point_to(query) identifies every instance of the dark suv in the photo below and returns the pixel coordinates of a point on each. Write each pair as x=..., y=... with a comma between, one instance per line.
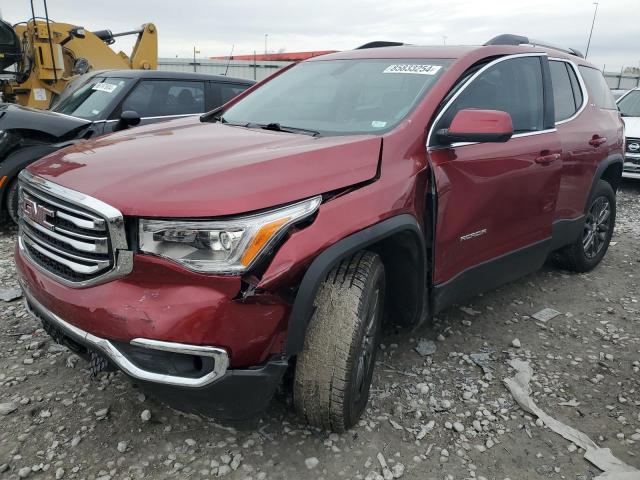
x=207, y=257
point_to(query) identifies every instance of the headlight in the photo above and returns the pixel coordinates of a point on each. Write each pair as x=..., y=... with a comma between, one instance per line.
x=221, y=246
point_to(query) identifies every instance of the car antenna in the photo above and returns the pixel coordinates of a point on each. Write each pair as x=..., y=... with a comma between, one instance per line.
x=229, y=59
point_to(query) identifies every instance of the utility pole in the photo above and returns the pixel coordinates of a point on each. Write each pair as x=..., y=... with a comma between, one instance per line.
x=195, y=69
x=266, y=35
x=444, y=39
x=595, y=12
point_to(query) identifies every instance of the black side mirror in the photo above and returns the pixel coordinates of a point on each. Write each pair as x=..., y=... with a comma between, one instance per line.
x=128, y=118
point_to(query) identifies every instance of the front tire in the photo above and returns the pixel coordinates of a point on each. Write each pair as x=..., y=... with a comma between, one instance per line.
x=592, y=244
x=12, y=201
x=334, y=370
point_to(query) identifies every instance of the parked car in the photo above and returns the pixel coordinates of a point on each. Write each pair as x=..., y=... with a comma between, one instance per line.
x=617, y=93
x=629, y=106
x=97, y=103
x=205, y=257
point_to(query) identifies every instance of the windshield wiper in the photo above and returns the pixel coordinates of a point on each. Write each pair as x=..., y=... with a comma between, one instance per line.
x=276, y=127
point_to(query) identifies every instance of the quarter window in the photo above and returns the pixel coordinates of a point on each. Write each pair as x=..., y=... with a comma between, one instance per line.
x=156, y=98
x=565, y=100
x=600, y=93
x=513, y=86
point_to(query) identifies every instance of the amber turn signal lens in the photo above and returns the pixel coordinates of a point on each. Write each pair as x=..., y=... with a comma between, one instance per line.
x=260, y=240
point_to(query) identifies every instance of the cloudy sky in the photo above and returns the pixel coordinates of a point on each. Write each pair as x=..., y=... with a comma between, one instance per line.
x=214, y=26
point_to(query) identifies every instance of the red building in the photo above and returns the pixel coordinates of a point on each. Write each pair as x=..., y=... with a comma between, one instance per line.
x=281, y=57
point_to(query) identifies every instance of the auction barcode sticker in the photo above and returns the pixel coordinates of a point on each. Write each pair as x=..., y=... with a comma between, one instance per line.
x=104, y=87
x=413, y=68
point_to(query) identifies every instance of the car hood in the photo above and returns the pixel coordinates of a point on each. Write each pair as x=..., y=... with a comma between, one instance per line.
x=52, y=123
x=631, y=127
x=185, y=168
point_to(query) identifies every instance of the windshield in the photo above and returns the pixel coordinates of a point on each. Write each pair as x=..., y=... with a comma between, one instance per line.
x=629, y=105
x=337, y=97
x=92, y=99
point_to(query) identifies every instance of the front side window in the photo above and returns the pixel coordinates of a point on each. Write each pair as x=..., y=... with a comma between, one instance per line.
x=157, y=98
x=600, y=93
x=565, y=100
x=92, y=100
x=629, y=105
x=335, y=97
x=513, y=86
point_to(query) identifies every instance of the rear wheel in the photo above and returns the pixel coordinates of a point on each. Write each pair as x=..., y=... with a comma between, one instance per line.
x=591, y=246
x=334, y=370
x=12, y=200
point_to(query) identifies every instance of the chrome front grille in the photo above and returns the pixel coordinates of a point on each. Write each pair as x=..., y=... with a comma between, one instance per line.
x=75, y=238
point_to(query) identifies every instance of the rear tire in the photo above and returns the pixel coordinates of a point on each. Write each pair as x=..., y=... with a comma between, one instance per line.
x=334, y=370
x=592, y=244
x=12, y=200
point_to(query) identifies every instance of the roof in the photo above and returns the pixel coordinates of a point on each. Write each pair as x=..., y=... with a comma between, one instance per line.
x=165, y=75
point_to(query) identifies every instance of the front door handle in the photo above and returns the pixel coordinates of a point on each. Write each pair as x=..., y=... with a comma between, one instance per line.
x=546, y=159
x=597, y=140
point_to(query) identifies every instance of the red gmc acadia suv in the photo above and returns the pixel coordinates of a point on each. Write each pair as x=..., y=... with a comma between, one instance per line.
x=206, y=257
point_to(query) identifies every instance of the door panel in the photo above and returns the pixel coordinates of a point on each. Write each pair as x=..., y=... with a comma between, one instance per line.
x=492, y=199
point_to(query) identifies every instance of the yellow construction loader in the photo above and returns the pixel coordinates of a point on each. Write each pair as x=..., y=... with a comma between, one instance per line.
x=39, y=57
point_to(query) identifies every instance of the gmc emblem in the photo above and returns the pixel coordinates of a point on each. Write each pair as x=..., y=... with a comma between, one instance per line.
x=37, y=213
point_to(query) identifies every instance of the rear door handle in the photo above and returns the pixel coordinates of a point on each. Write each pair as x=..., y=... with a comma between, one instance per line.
x=596, y=141
x=546, y=159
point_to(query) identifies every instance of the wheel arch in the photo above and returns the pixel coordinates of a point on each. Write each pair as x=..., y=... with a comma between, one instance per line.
x=399, y=241
x=16, y=161
x=609, y=170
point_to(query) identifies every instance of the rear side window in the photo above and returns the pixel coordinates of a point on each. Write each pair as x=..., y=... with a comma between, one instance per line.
x=600, y=93
x=513, y=86
x=567, y=97
x=157, y=98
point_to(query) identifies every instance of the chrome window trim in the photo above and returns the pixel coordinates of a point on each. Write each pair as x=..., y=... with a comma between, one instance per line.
x=583, y=89
x=464, y=87
x=220, y=355
x=114, y=222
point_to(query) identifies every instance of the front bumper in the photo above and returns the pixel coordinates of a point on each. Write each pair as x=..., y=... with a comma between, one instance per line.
x=221, y=392
x=162, y=301
x=631, y=167
x=116, y=356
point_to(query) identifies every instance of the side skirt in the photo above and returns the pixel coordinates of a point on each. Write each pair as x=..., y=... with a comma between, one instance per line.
x=491, y=274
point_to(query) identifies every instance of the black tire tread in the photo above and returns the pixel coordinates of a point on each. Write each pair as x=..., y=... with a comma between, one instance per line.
x=324, y=365
x=11, y=201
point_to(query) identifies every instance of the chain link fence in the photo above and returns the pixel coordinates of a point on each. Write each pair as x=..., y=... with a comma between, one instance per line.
x=622, y=81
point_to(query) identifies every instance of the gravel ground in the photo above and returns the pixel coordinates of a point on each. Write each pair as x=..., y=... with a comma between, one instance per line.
x=438, y=416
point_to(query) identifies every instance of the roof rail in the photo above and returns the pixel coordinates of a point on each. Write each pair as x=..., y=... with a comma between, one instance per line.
x=379, y=44
x=509, y=39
